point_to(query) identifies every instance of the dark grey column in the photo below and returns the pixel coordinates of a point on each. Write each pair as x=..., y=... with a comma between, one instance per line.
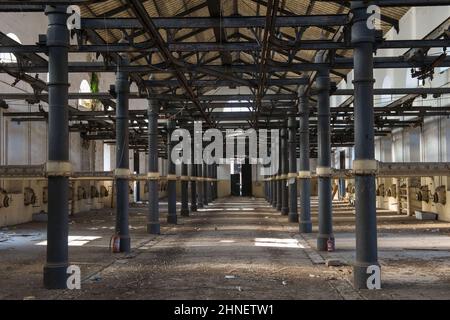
x=274, y=191
x=280, y=172
x=193, y=178
x=209, y=169
x=136, y=170
x=216, y=182
x=200, y=186
x=184, y=191
x=305, y=225
x=324, y=158
x=153, y=224
x=171, y=177
x=284, y=173
x=55, y=269
x=122, y=89
x=364, y=165
x=206, y=190
x=292, y=175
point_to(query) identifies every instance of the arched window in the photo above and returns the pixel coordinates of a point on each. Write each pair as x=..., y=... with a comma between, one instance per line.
x=85, y=87
x=7, y=57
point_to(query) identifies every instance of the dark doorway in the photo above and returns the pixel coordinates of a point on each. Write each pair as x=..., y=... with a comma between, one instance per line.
x=235, y=184
x=246, y=180
x=341, y=181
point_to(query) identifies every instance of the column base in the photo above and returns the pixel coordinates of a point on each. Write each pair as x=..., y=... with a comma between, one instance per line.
x=154, y=228
x=274, y=205
x=55, y=276
x=279, y=207
x=361, y=275
x=284, y=211
x=322, y=241
x=305, y=226
x=184, y=212
x=193, y=208
x=125, y=243
x=172, y=219
x=293, y=217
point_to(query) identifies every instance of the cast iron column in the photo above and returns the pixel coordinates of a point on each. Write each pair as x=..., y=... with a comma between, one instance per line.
x=171, y=177
x=285, y=171
x=122, y=89
x=364, y=165
x=193, y=178
x=274, y=190
x=305, y=225
x=153, y=224
x=280, y=172
x=200, y=186
x=324, y=158
x=206, y=190
x=55, y=269
x=184, y=190
x=292, y=176
x=136, y=170
x=209, y=173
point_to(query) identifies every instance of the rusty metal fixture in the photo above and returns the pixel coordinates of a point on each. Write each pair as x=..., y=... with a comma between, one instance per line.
x=29, y=197
x=130, y=189
x=103, y=192
x=350, y=188
x=45, y=195
x=392, y=191
x=146, y=187
x=94, y=192
x=380, y=190
x=423, y=194
x=81, y=193
x=4, y=198
x=71, y=193
x=439, y=195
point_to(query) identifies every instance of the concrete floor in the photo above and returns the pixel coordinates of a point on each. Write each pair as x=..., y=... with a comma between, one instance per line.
x=236, y=248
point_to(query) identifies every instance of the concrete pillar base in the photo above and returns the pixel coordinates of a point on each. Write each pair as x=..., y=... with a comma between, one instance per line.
x=153, y=228
x=293, y=217
x=284, y=211
x=322, y=240
x=172, y=219
x=184, y=212
x=125, y=244
x=305, y=226
x=55, y=276
x=193, y=208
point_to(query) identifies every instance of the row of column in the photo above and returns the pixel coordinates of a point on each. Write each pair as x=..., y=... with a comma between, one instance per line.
x=279, y=187
x=366, y=268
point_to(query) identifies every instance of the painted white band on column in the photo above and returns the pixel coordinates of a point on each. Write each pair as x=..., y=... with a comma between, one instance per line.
x=153, y=175
x=291, y=175
x=122, y=173
x=171, y=177
x=304, y=174
x=185, y=178
x=58, y=168
x=365, y=166
x=323, y=171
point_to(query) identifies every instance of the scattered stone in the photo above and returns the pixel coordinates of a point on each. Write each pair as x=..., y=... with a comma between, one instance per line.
x=239, y=288
x=334, y=263
x=230, y=277
x=29, y=298
x=284, y=282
